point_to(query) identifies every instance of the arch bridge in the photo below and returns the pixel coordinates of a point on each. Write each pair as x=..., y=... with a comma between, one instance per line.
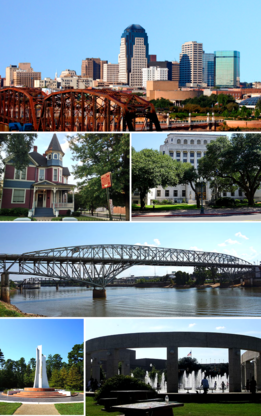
x=98, y=265
x=77, y=110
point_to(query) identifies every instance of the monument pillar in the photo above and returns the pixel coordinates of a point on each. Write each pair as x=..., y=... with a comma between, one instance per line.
x=40, y=378
x=96, y=369
x=5, y=288
x=112, y=363
x=172, y=369
x=88, y=367
x=124, y=358
x=234, y=370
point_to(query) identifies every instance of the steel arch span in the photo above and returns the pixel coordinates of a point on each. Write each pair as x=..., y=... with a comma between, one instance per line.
x=77, y=110
x=98, y=265
x=21, y=105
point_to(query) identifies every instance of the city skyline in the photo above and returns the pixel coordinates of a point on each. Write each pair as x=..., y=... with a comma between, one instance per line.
x=15, y=48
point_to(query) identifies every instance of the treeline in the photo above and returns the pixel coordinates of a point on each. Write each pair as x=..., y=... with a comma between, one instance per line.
x=19, y=374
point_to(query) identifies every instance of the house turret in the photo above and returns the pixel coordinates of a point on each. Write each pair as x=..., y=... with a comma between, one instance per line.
x=54, y=153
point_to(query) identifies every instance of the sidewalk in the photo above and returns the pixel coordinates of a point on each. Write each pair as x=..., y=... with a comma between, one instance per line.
x=36, y=409
x=196, y=212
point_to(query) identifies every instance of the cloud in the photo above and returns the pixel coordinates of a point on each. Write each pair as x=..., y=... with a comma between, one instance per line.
x=220, y=327
x=157, y=241
x=196, y=248
x=227, y=242
x=65, y=146
x=231, y=252
x=145, y=244
x=241, y=236
x=253, y=250
x=191, y=325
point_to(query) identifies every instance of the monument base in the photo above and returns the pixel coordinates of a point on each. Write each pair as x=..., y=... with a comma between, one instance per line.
x=98, y=293
x=37, y=393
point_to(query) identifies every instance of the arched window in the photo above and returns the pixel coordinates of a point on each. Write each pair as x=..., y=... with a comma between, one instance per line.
x=49, y=157
x=178, y=141
x=55, y=156
x=191, y=141
x=205, y=142
x=198, y=142
x=185, y=141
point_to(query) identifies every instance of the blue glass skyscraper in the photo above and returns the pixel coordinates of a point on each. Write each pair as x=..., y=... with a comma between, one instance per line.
x=208, y=69
x=134, y=55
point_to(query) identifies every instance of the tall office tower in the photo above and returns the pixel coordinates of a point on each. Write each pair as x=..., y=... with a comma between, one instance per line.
x=163, y=64
x=92, y=68
x=111, y=73
x=175, y=71
x=134, y=55
x=9, y=75
x=208, y=69
x=227, y=68
x=152, y=58
x=154, y=73
x=190, y=63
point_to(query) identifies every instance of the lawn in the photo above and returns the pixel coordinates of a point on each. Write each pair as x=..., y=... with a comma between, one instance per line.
x=7, y=218
x=4, y=311
x=93, y=409
x=80, y=219
x=219, y=409
x=174, y=207
x=8, y=408
x=70, y=409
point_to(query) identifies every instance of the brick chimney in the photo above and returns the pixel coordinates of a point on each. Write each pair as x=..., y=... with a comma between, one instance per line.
x=35, y=148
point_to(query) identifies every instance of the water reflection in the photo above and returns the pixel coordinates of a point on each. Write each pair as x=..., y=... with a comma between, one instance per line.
x=136, y=302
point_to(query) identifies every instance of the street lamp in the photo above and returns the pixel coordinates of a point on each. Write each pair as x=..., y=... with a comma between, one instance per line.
x=201, y=182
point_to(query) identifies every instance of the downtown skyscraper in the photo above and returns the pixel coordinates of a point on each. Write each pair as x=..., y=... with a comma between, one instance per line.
x=190, y=63
x=134, y=55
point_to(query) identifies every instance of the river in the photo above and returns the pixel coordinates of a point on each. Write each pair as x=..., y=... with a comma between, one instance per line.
x=140, y=302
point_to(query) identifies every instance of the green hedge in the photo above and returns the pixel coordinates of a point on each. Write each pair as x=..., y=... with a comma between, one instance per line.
x=122, y=383
x=14, y=212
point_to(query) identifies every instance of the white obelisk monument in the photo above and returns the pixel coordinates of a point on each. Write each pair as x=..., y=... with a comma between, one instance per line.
x=40, y=378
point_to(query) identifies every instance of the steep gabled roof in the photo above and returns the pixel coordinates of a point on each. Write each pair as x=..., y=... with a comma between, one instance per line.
x=66, y=172
x=39, y=159
x=55, y=145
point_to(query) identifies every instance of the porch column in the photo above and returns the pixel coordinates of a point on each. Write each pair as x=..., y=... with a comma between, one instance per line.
x=73, y=199
x=54, y=199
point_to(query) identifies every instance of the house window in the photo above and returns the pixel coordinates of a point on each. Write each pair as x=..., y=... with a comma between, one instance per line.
x=185, y=157
x=60, y=175
x=175, y=192
x=198, y=142
x=55, y=156
x=191, y=141
x=171, y=154
x=136, y=192
x=185, y=141
x=167, y=192
x=41, y=175
x=163, y=152
x=232, y=193
x=49, y=157
x=184, y=193
x=158, y=193
x=178, y=141
x=198, y=155
x=240, y=193
x=205, y=141
x=224, y=194
x=18, y=196
x=55, y=174
x=20, y=174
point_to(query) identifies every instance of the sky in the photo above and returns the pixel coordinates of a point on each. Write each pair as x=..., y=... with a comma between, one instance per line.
x=20, y=337
x=153, y=140
x=237, y=239
x=98, y=327
x=54, y=36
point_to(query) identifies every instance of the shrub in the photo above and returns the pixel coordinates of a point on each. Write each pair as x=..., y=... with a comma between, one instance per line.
x=14, y=212
x=122, y=383
x=76, y=214
x=225, y=202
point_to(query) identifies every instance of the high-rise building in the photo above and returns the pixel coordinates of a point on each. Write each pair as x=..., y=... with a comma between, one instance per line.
x=23, y=75
x=111, y=73
x=175, y=71
x=163, y=64
x=9, y=75
x=92, y=68
x=134, y=55
x=154, y=74
x=208, y=69
x=227, y=68
x=152, y=58
x=190, y=63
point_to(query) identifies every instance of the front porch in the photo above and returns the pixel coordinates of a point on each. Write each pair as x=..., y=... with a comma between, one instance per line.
x=52, y=199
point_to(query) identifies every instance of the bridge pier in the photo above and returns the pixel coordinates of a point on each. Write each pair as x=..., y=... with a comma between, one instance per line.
x=98, y=293
x=5, y=288
x=57, y=286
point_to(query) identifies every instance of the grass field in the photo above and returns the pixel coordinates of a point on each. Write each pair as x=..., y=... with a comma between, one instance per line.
x=80, y=219
x=70, y=409
x=174, y=207
x=5, y=311
x=7, y=218
x=8, y=408
x=192, y=409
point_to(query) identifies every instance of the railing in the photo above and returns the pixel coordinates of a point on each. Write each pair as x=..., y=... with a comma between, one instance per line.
x=115, y=217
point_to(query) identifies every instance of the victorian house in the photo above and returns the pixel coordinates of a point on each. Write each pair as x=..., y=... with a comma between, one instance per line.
x=42, y=186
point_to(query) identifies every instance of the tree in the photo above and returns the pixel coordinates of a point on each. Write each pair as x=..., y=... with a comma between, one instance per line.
x=237, y=160
x=75, y=357
x=201, y=274
x=190, y=176
x=55, y=380
x=75, y=379
x=150, y=169
x=17, y=145
x=139, y=373
x=2, y=359
x=63, y=377
x=99, y=154
x=57, y=362
x=181, y=278
x=188, y=364
x=258, y=105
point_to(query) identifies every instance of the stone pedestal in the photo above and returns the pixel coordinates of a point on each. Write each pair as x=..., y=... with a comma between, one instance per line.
x=172, y=369
x=99, y=293
x=234, y=370
x=5, y=288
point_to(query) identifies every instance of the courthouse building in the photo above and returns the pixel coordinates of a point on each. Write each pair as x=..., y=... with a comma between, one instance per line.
x=187, y=147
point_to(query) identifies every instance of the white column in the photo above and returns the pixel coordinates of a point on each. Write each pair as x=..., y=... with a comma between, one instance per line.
x=73, y=199
x=40, y=378
x=54, y=199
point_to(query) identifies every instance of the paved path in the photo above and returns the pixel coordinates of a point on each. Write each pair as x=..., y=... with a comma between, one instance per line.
x=36, y=409
x=43, y=218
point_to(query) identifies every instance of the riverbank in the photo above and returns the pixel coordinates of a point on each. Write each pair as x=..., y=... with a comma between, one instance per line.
x=9, y=310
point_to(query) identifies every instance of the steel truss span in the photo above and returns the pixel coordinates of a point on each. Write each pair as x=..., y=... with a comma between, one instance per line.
x=77, y=110
x=98, y=265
